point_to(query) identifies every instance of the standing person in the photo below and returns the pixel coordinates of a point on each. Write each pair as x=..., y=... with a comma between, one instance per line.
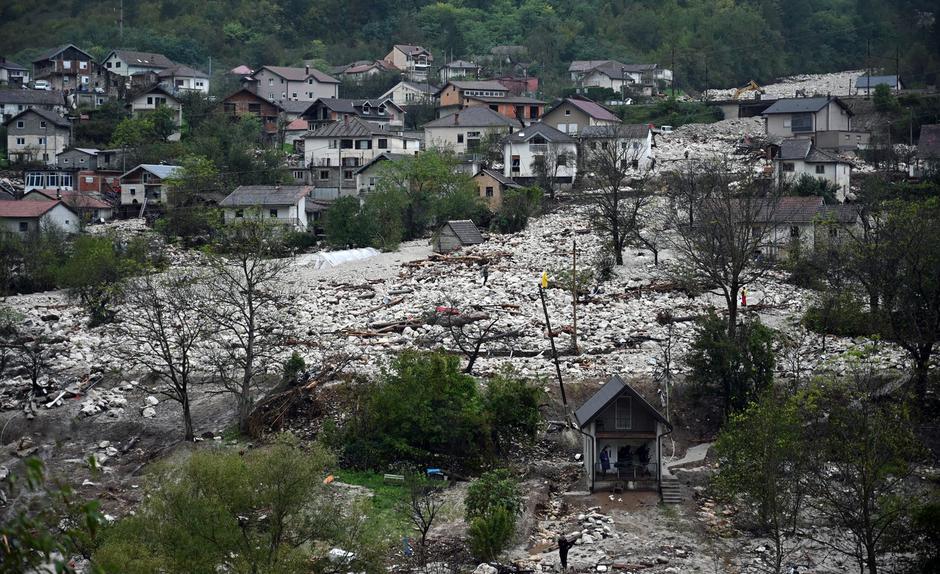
x=605, y=460
x=486, y=274
x=563, y=546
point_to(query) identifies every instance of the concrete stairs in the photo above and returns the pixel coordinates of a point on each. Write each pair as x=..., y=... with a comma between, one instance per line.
x=671, y=490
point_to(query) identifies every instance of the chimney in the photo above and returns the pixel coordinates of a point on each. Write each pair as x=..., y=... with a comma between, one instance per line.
x=306, y=70
x=58, y=193
x=456, y=117
x=346, y=120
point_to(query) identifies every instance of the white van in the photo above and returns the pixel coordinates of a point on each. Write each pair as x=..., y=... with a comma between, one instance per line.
x=42, y=85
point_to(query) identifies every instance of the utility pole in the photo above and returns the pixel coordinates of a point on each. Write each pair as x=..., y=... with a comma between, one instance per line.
x=706, y=79
x=543, y=285
x=623, y=88
x=897, y=69
x=574, y=294
x=122, y=20
x=674, y=72
x=868, y=65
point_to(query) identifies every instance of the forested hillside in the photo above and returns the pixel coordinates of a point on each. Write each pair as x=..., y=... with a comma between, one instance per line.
x=734, y=40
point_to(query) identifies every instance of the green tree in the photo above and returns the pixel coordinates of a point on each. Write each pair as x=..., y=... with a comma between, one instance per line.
x=191, y=188
x=517, y=207
x=491, y=533
x=383, y=210
x=346, y=225
x=884, y=100
x=494, y=489
x=94, y=272
x=512, y=406
x=737, y=367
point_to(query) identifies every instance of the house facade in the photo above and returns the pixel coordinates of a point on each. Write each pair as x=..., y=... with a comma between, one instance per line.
x=89, y=206
x=807, y=224
x=523, y=109
x=453, y=95
x=464, y=131
x=492, y=185
x=621, y=439
x=25, y=217
x=128, y=62
x=154, y=98
x=78, y=158
x=367, y=176
x=13, y=74
x=799, y=157
x=333, y=153
x=244, y=102
x=634, y=143
x=540, y=148
x=408, y=93
x=279, y=204
x=37, y=135
x=458, y=69
x=146, y=184
x=414, y=61
x=67, y=68
x=180, y=78
x=571, y=115
x=802, y=117
x=281, y=83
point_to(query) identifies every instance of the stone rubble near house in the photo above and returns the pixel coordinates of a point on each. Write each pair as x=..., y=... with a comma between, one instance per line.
x=835, y=84
x=706, y=142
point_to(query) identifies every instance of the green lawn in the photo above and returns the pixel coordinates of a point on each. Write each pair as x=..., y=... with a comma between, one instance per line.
x=385, y=501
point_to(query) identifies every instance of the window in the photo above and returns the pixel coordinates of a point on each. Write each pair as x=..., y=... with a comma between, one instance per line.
x=239, y=213
x=20, y=141
x=788, y=167
x=567, y=112
x=324, y=174
x=363, y=144
x=371, y=181
x=149, y=100
x=229, y=107
x=562, y=160
x=346, y=144
x=794, y=232
x=133, y=191
x=179, y=83
x=20, y=124
x=515, y=164
x=117, y=64
x=294, y=95
x=459, y=138
x=820, y=169
x=270, y=81
x=108, y=65
x=65, y=79
x=42, y=141
x=272, y=213
x=298, y=175
x=383, y=143
x=623, y=415
x=24, y=226
x=82, y=65
x=489, y=191
x=89, y=179
x=801, y=122
x=67, y=64
x=347, y=174
x=833, y=232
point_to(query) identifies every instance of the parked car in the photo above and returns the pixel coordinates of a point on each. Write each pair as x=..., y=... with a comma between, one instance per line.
x=42, y=85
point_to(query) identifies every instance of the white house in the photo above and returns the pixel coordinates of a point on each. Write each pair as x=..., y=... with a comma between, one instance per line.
x=282, y=83
x=464, y=131
x=573, y=114
x=407, y=93
x=802, y=117
x=414, y=61
x=180, y=78
x=458, y=69
x=22, y=217
x=798, y=157
x=540, y=147
x=37, y=135
x=278, y=204
x=634, y=142
x=334, y=151
x=146, y=183
x=89, y=205
x=128, y=62
x=13, y=102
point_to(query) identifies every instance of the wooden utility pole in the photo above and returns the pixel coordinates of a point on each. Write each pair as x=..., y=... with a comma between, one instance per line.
x=674, y=72
x=574, y=294
x=548, y=325
x=868, y=65
x=897, y=69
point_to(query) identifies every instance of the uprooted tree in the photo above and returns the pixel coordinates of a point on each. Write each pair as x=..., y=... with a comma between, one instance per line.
x=475, y=334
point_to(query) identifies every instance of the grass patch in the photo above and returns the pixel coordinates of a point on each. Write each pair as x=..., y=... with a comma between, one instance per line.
x=386, y=499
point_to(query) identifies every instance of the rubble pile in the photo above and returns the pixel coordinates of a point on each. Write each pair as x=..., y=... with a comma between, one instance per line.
x=703, y=142
x=835, y=84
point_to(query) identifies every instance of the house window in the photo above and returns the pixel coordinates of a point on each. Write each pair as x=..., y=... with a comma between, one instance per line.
x=489, y=191
x=371, y=182
x=42, y=123
x=801, y=122
x=363, y=144
x=515, y=164
x=24, y=226
x=229, y=107
x=20, y=141
x=788, y=167
x=198, y=84
x=294, y=95
x=324, y=174
x=623, y=419
x=65, y=160
x=794, y=232
x=833, y=232
x=117, y=64
x=562, y=160
x=270, y=81
x=67, y=64
x=89, y=179
x=149, y=101
x=567, y=112
x=133, y=191
x=459, y=138
x=347, y=174
x=108, y=65
x=42, y=141
x=383, y=143
x=820, y=169
x=272, y=213
x=239, y=213
x=298, y=175
x=346, y=144
x=20, y=124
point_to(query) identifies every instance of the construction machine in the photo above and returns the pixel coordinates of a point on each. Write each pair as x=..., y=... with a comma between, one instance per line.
x=750, y=87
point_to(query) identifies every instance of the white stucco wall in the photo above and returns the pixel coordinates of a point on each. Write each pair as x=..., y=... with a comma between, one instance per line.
x=60, y=216
x=527, y=156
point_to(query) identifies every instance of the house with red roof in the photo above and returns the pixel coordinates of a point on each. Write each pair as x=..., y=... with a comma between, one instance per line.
x=23, y=217
x=571, y=115
x=89, y=205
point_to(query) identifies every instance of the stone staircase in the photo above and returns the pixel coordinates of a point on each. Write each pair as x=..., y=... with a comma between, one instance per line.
x=671, y=490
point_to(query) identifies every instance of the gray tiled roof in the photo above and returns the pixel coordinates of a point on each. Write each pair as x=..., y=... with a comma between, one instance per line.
x=625, y=131
x=507, y=181
x=490, y=85
x=348, y=127
x=383, y=157
x=149, y=59
x=795, y=148
x=158, y=169
x=864, y=82
x=45, y=114
x=540, y=129
x=301, y=74
x=591, y=108
x=472, y=117
x=801, y=105
x=8, y=65
x=466, y=231
x=34, y=97
x=263, y=195
x=54, y=51
x=605, y=395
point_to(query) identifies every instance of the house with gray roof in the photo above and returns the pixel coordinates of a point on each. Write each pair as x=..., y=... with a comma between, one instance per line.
x=289, y=205
x=621, y=439
x=129, y=62
x=458, y=69
x=539, y=151
x=37, y=135
x=66, y=68
x=284, y=83
x=414, y=61
x=456, y=234
x=367, y=176
x=863, y=83
x=802, y=117
x=798, y=157
x=408, y=93
x=13, y=102
x=492, y=185
x=465, y=130
x=13, y=74
x=804, y=222
x=382, y=111
x=146, y=184
x=633, y=143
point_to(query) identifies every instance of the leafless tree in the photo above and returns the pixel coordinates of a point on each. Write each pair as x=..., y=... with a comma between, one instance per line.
x=472, y=336
x=651, y=221
x=732, y=224
x=164, y=329
x=245, y=290
x=546, y=166
x=422, y=507
x=609, y=174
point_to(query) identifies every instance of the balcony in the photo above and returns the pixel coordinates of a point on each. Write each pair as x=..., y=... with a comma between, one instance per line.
x=538, y=148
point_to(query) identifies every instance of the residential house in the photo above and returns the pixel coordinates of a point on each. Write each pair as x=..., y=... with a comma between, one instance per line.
x=519, y=85
x=146, y=184
x=573, y=114
x=407, y=93
x=180, y=78
x=492, y=185
x=617, y=76
x=289, y=205
x=367, y=176
x=245, y=102
x=95, y=171
x=456, y=234
x=156, y=97
x=334, y=151
x=382, y=111
x=458, y=69
x=523, y=109
x=13, y=74
x=49, y=178
x=128, y=62
x=866, y=83
x=802, y=117
x=622, y=435
x=414, y=61
x=67, y=68
x=805, y=223
x=361, y=70
x=13, y=102
x=89, y=206
x=37, y=135
x=453, y=95
x=540, y=150
x=464, y=131
x=294, y=133
x=928, y=151
x=634, y=143
x=799, y=157
x=24, y=217
x=282, y=83
x=78, y=158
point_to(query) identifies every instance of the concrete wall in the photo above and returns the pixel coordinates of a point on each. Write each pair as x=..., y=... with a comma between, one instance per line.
x=527, y=153
x=60, y=216
x=446, y=137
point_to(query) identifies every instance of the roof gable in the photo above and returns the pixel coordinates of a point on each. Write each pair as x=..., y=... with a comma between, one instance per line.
x=472, y=117
x=803, y=105
x=47, y=115
x=143, y=59
x=160, y=170
x=50, y=54
x=264, y=195
x=589, y=107
x=541, y=129
x=466, y=231
x=600, y=400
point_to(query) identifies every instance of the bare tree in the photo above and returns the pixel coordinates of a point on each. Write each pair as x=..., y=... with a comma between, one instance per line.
x=245, y=291
x=472, y=336
x=422, y=507
x=651, y=221
x=546, y=166
x=732, y=223
x=608, y=169
x=164, y=330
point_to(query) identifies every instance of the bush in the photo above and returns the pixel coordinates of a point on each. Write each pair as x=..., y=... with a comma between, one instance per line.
x=512, y=407
x=299, y=241
x=345, y=225
x=490, y=534
x=517, y=207
x=738, y=369
x=494, y=489
x=94, y=273
x=293, y=366
x=842, y=314
x=809, y=186
x=564, y=279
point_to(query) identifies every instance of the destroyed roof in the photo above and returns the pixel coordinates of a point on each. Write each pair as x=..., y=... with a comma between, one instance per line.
x=264, y=195
x=803, y=105
x=466, y=231
x=472, y=117
x=507, y=181
x=27, y=209
x=349, y=126
x=591, y=108
x=541, y=129
x=625, y=131
x=928, y=146
x=865, y=82
x=606, y=395
x=34, y=97
x=300, y=74
x=151, y=59
x=45, y=114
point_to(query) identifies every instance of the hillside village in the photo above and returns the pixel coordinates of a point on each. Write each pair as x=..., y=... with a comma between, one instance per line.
x=417, y=314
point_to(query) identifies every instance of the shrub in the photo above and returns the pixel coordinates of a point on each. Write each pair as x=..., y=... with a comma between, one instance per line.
x=299, y=241
x=841, y=314
x=809, y=186
x=293, y=366
x=490, y=534
x=345, y=225
x=494, y=489
x=95, y=273
x=517, y=207
x=565, y=279
x=512, y=407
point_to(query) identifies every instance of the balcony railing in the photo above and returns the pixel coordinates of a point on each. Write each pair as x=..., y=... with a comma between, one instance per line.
x=538, y=148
